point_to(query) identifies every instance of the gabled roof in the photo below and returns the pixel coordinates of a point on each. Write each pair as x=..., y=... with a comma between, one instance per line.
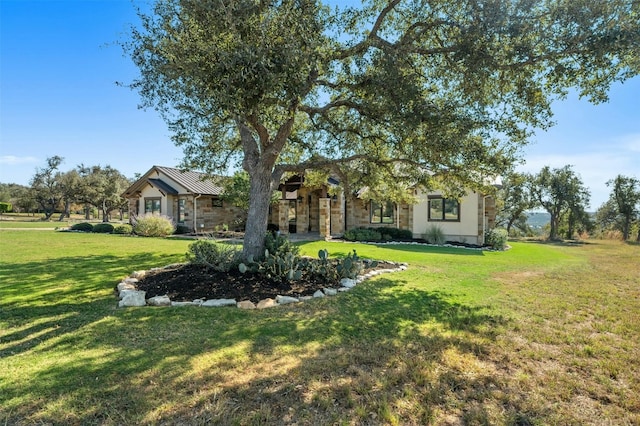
x=193, y=182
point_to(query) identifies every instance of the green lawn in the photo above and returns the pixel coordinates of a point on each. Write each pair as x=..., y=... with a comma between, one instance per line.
x=541, y=334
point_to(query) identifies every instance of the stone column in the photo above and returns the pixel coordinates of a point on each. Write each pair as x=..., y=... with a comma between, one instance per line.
x=325, y=217
x=283, y=216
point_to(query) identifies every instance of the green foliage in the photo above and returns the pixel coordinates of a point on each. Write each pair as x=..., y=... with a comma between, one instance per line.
x=362, y=234
x=83, y=226
x=217, y=256
x=182, y=229
x=395, y=234
x=435, y=235
x=281, y=262
x=496, y=238
x=349, y=266
x=382, y=233
x=5, y=207
x=625, y=198
x=153, y=226
x=123, y=228
x=103, y=228
x=279, y=244
x=322, y=268
x=560, y=192
x=369, y=89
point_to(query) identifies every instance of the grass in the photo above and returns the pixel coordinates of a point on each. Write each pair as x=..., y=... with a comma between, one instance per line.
x=541, y=334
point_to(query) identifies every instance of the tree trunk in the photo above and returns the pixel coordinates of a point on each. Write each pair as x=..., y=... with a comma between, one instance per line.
x=553, y=231
x=105, y=212
x=258, y=214
x=626, y=228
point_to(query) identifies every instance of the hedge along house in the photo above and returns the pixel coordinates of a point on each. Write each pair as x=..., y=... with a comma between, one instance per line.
x=190, y=199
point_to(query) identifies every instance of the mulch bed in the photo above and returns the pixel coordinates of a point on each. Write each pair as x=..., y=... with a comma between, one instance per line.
x=184, y=283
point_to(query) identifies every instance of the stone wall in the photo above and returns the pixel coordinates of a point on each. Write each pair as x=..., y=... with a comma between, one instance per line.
x=359, y=216
x=209, y=216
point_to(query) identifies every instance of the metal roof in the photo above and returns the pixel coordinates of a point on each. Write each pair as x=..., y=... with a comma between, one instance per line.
x=163, y=186
x=196, y=182
x=192, y=182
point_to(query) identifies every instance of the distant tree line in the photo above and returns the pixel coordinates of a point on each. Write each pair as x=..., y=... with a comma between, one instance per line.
x=562, y=194
x=52, y=191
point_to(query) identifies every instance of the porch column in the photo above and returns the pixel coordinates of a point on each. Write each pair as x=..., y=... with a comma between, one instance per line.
x=283, y=216
x=325, y=217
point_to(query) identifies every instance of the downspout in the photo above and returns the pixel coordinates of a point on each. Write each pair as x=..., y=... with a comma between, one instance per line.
x=195, y=213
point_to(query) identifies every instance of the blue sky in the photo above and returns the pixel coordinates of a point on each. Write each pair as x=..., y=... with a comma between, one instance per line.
x=59, y=62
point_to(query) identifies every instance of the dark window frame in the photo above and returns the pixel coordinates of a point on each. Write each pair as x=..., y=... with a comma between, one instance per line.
x=445, y=206
x=379, y=209
x=217, y=202
x=182, y=208
x=152, y=200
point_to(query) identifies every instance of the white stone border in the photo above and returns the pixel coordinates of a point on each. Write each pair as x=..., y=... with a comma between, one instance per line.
x=129, y=295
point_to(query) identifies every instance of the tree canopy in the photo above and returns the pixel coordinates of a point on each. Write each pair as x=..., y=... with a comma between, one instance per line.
x=391, y=91
x=562, y=194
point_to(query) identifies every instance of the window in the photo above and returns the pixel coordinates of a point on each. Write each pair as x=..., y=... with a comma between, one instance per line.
x=181, y=208
x=152, y=206
x=216, y=202
x=444, y=209
x=381, y=212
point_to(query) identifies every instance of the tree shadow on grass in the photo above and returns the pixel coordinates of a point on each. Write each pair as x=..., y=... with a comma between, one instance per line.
x=346, y=358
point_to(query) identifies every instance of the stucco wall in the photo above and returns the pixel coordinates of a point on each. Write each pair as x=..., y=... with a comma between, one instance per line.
x=466, y=230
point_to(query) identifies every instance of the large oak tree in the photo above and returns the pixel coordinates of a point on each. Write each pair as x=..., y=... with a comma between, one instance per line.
x=382, y=92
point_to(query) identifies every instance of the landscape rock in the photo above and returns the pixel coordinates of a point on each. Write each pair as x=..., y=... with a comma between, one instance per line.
x=283, y=300
x=246, y=304
x=159, y=301
x=125, y=286
x=348, y=282
x=180, y=304
x=266, y=303
x=219, y=302
x=132, y=298
x=123, y=293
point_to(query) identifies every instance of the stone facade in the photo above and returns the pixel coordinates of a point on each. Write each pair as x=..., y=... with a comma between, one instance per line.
x=358, y=215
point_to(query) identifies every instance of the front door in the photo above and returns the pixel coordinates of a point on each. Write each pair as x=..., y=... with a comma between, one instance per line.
x=293, y=214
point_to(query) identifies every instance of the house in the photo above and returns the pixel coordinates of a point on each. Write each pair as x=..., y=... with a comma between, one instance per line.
x=191, y=199
x=303, y=210
x=194, y=201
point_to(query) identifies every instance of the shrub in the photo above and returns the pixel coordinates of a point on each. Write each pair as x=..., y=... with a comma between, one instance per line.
x=153, y=226
x=182, y=229
x=435, y=235
x=281, y=261
x=394, y=233
x=279, y=244
x=216, y=256
x=103, y=228
x=123, y=228
x=496, y=238
x=362, y=234
x=84, y=227
x=351, y=266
